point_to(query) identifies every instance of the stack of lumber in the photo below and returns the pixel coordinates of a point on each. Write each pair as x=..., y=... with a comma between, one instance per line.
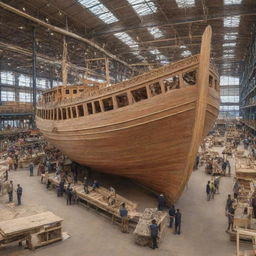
x=142, y=230
x=26, y=160
x=208, y=155
x=37, y=230
x=245, y=168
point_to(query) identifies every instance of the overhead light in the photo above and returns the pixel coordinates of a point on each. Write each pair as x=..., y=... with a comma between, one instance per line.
x=125, y=38
x=24, y=9
x=230, y=2
x=51, y=33
x=183, y=46
x=229, y=44
x=232, y=22
x=21, y=27
x=47, y=20
x=99, y=10
x=186, y=53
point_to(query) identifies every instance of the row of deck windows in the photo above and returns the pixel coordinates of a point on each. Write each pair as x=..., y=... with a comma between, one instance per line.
x=121, y=100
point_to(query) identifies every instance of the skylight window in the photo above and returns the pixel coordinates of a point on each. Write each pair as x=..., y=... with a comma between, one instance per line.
x=230, y=2
x=230, y=36
x=229, y=45
x=232, y=22
x=164, y=62
x=229, y=51
x=186, y=53
x=100, y=10
x=155, y=32
x=161, y=57
x=185, y=3
x=228, y=55
x=158, y=54
x=155, y=52
x=143, y=7
x=126, y=39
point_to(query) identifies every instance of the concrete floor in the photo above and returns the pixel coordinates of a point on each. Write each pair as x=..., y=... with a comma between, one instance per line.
x=203, y=223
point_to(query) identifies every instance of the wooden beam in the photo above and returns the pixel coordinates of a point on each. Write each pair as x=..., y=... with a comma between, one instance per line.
x=62, y=31
x=44, y=58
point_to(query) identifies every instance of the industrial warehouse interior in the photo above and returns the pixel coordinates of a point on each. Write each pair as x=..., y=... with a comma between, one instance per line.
x=127, y=127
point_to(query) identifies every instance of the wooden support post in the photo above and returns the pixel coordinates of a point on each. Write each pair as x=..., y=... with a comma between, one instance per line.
x=101, y=106
x=130, y=98
x=61, y=114
x=115, y=102
x=85, y=109
x=93, y=107
x=182, y=84
x=162, y=85
x=107, y=70
x=64, y=62
x=148, y=91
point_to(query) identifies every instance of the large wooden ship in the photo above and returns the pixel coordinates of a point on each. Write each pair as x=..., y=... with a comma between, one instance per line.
x=148, y=128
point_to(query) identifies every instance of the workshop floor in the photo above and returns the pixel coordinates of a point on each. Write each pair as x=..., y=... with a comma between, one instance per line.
x=203, y=223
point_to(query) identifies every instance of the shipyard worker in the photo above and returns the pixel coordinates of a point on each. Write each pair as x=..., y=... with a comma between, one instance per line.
x=31, y=168
x=86, y=188
x=154, y=233
x=161, y=202
x=197, y=161
x=177, y=222
x=213, y=190
x=69, y=194
x=61, y=187
x=208, y=191
x=231, y=213
x=19, y=194
x=236, y=188
x=217, y=184
x=228, y=204
x=172, y=215
x=10, y=191
x=224, y=166
x=124, y=218
x=229, y=168
x=95, y=185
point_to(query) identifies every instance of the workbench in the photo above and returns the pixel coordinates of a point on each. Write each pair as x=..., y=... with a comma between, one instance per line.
x=98, y=199
x=37, y=230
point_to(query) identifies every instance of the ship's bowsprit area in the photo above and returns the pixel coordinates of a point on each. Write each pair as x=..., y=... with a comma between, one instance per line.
x=127, y=127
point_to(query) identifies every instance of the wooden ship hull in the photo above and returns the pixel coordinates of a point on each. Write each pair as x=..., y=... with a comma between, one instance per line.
x=153, y=141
